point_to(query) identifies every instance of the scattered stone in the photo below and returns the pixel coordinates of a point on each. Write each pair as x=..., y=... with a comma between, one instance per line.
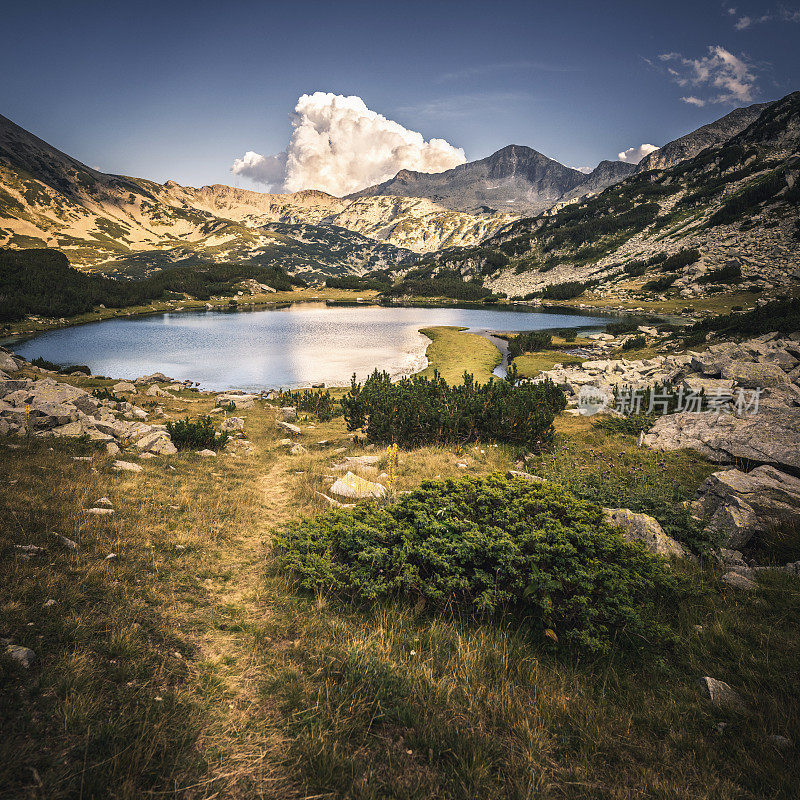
x=68, y=543
x=23, y=656
x=288, y=427
x=112, y=448
x=330, y=501
x=48, y=603
x=111, y=557
x=206, y=453
x=99, y=512
x=126, y=466
x=525, y=476
x=298, y=450
x=232, y=424
x=123, y=387
x=739, y=581
x=351, y=485
x=288, y=413
x=104, y=502
x=720, y=693
x=645, y=529
x=28, y=551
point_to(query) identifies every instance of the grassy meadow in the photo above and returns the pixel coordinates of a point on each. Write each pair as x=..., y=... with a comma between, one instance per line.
x=188, y=665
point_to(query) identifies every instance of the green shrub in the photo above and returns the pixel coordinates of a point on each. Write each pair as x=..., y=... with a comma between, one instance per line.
x=631, y=425
x=529, y=343
x=660, y=284
x=732, y=273
x=490, y=544
x=418, y=411
x=101, y=393
x=782, y=316
x=64, y=370
x=200, y=434
x=311, y=401
x=635, y=342
x=566, y=291
x=679, y=260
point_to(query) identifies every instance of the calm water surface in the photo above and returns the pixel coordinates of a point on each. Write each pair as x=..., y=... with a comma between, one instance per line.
x=296, y=346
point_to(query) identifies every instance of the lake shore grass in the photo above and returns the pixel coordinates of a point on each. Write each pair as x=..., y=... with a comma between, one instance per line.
x=187, y=666
x=452, y=351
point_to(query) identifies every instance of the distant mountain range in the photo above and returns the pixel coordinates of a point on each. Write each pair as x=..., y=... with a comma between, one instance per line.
x=515, y=179
x=133, y=225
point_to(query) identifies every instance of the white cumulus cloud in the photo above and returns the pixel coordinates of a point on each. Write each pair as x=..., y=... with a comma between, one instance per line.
x=339, y=145
x=723, y=77
x=633, y=155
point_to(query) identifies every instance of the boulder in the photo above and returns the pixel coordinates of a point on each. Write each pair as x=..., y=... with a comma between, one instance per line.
x=240, y=401
x=232, y=424
x=524, y=476
x=7, y=362
x=772, y=436
x=156, y=391
x=740, y=506
x=351, y=485
x=645, y=529
x=23, y=656
x=298, y=450
x=720, y=693
x=288, y=413
x=288, y=427
x=157, y=442
x=126, y=466
x=206, y=453
x=738, y=581
x=124, y=387
x=752, y=376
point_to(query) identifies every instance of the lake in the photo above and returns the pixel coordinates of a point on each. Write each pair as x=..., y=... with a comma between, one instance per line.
x=288, y=347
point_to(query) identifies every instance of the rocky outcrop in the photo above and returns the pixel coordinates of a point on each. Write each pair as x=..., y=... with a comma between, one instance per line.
x=46, y=407
x=772, y=436
x=739, y=506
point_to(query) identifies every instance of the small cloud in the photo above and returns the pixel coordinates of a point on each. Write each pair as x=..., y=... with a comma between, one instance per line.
x=728, y=78
x=633, y=155
x=780, y=14
x=505, y=66
x=584, y=170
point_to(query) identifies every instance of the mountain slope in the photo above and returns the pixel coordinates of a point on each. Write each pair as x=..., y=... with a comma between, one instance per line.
x=49, y=199
x=730, y=216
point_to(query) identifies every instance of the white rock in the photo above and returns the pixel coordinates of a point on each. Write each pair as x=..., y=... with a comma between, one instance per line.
x=351, y=485
x=206, y=453
x=126, y=466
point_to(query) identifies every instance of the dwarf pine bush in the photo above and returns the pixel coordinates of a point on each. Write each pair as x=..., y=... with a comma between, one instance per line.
x=188, y=435
x=486, y=545
x=419, y=411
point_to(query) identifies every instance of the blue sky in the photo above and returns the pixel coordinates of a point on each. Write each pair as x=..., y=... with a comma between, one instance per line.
x=176, y=90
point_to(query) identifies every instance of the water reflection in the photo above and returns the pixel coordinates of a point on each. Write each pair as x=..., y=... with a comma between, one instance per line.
x=289, y=347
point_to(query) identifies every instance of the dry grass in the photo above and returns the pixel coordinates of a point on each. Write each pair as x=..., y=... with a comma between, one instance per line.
x=188, y=667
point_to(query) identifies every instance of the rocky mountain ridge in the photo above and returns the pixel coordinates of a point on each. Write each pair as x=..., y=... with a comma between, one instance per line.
x=515, y=179
x=725, y=220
